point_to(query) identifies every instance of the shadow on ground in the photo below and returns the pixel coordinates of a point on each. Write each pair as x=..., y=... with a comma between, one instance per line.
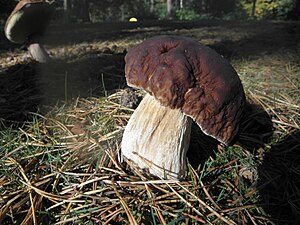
x=201, y=147
x=279, y=181
x=266, y=37
x=19, y=93
x=24, y=88
x=255, y=37
x=93, y=75
x=256, y=128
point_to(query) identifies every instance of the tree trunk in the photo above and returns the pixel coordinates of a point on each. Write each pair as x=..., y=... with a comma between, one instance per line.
x=170, y=9
x=81, y=10
x=151, y=6
x=85, y=11
x=181, y=4
x=253, y=8
x=67, y=7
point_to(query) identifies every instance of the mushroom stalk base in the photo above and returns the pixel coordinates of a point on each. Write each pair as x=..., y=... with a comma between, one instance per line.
x=37, y=50
x=156, y=139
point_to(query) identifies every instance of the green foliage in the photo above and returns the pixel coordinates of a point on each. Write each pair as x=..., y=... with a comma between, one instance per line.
x=269, y=9
x=284, y=8
x=187, y=14
x=119, y=10
x=161, y=13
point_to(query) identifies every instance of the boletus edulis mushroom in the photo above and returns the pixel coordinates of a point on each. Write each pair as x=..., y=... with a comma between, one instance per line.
x=27, y=24
x=185, y=81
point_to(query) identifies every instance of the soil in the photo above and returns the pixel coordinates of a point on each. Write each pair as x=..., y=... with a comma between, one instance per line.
x=88, y=59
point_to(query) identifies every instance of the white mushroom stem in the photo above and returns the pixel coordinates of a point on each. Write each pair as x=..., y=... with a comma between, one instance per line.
x=37, y=50
x=156, y=139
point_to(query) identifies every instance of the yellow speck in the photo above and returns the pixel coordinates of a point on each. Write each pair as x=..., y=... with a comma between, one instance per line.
x=133, y=19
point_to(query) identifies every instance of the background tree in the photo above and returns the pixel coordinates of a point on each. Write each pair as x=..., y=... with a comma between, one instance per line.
x=253, y=8
x=66, y=9
x=152, y=5
x=83, y=7
x=170, y=9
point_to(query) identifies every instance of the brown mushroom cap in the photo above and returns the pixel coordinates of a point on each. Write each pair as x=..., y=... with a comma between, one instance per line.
x=182, y=73
x=29, y=17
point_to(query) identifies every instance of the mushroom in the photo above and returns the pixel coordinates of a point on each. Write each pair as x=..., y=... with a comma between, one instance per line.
x=186, y=81
x=27, y=24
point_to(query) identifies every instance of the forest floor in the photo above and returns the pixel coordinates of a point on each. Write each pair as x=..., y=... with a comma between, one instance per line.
x=61, y=125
